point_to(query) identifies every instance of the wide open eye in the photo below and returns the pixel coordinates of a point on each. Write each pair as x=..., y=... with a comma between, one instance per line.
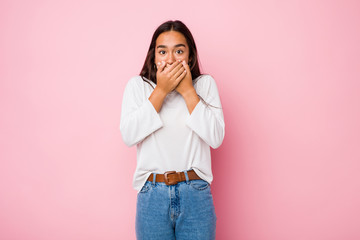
x=161, y=52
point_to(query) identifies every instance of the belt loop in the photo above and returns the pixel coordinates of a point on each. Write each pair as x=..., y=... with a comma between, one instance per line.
x=186, y=177
x=154, y=179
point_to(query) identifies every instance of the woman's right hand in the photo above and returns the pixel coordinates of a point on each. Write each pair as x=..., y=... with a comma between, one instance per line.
x=169, y=77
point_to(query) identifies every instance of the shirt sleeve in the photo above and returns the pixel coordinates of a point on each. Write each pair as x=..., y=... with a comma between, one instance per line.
x=207, y=121
x=138, y=118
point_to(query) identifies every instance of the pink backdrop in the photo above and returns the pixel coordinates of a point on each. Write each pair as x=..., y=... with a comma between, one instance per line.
x=288, y=73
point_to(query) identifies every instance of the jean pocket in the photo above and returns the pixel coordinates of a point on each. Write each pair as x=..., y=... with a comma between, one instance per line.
x=199, y=184
x=145, y=188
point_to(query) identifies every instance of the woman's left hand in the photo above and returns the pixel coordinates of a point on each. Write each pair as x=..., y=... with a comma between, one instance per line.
x=186, y=83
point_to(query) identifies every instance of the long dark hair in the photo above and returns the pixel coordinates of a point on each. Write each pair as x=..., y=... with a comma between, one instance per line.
x=149, y=70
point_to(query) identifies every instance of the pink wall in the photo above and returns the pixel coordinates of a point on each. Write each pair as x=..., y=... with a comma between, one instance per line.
x=288, y=74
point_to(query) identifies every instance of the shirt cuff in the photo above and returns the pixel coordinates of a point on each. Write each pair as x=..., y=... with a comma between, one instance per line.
x=154, y=116
x=194, y=120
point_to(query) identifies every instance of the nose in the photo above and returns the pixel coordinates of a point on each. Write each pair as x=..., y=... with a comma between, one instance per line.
x=171, y=58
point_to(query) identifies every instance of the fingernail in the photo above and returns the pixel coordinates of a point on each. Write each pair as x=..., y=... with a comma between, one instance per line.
x=158, y=63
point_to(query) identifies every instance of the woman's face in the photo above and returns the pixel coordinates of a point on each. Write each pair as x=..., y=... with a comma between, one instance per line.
x=171, y=46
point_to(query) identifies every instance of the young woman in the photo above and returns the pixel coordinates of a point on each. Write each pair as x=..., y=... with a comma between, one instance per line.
x=173, y=114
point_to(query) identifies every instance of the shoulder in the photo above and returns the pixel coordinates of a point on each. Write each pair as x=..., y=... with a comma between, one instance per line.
x=204, y=78
x=204, y=81
x=135, y=80
x=138, y=82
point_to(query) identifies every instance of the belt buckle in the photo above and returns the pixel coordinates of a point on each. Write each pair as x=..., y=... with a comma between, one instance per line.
x=167, y=182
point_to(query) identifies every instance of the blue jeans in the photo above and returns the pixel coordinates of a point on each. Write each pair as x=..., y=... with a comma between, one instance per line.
x=181, y=211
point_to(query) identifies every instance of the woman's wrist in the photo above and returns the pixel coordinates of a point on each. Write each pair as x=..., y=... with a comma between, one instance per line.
x=161, y=92
x=157, y=98
x=191, y=98
x=191, y=93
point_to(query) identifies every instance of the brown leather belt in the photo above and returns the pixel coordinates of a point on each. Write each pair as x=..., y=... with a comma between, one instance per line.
x=173, y=177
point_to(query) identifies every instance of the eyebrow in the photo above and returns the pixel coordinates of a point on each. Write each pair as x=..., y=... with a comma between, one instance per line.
x=177, y=45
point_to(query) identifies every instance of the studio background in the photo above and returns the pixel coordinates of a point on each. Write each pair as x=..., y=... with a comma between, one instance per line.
x=288, y=75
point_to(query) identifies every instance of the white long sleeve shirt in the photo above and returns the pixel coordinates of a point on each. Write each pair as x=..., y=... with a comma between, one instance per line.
x=173, y=139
